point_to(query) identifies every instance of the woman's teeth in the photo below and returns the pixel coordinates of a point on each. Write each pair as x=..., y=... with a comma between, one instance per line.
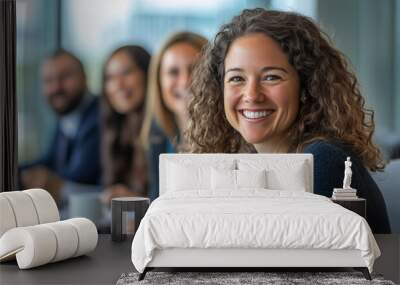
x=256, y=114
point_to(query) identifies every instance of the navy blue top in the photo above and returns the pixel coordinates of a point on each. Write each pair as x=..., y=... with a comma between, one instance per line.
x=159, y=143
x=329, y=173
x=76, y=159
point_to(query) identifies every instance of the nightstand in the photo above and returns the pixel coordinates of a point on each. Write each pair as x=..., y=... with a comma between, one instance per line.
x=357, y=205
x=126, y=214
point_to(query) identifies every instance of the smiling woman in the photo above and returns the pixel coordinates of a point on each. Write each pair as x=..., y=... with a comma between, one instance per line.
x=273, y=81
x=124, y=89
x=166, y=116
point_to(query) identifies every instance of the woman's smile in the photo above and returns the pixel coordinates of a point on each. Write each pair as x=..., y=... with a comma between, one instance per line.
x=255, y=115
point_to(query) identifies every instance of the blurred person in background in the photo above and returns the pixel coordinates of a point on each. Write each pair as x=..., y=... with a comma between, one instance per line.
x=73, y=155
x=166, y=103
x=122, y=112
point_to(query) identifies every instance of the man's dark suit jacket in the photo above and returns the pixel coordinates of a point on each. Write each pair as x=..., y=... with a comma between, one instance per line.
x=76, y=159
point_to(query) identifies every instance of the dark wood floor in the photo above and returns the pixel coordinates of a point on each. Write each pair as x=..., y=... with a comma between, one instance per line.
x=110, y=260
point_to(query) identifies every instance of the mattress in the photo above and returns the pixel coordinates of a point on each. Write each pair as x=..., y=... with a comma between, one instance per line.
x=251, y=219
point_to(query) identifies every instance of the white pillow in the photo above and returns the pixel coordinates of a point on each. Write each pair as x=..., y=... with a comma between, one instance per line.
x=251, y=178
x=225, y=179
x=298, y=178
x=281, y=174
x=183, y=177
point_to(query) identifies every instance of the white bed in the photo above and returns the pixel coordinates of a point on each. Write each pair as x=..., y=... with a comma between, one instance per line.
x=266, y=216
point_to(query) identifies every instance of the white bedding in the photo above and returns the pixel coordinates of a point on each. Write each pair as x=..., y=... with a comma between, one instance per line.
x=252, y=218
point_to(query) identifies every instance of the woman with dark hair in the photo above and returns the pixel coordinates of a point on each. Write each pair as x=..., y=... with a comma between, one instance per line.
x=124, y=89
x=273, y=82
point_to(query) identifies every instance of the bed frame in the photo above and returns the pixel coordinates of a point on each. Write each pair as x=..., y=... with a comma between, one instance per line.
x=248, y=258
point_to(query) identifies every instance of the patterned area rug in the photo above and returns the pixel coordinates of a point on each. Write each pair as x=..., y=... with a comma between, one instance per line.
x=229, y=278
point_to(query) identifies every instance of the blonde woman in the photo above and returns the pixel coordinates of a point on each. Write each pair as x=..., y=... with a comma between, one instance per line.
x=166, y=103
x=273, y=80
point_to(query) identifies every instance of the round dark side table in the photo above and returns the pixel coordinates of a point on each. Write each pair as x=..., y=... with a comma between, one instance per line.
x=126, y=214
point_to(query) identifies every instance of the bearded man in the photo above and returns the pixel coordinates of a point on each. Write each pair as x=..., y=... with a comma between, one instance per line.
x=74, y=152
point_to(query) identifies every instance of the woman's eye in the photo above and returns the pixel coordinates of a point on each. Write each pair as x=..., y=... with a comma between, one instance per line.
x=127, y=71
x=235, y=79
x=173, y=72
x=271, y=77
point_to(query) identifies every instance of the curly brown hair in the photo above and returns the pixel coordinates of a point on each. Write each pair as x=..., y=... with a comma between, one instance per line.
x=332, y=108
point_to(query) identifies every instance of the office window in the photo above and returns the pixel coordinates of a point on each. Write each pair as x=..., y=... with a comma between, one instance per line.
x=36, y=35
x=94, y=33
